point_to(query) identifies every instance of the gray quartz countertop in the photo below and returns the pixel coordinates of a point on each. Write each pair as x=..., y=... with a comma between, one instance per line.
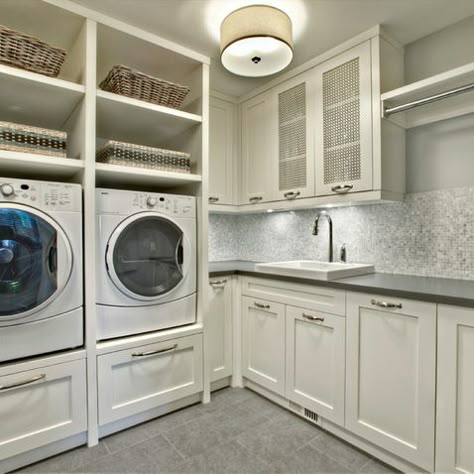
x=436, y=290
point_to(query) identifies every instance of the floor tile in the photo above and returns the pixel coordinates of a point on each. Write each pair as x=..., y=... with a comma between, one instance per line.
x=376, y=467
x=125, y=439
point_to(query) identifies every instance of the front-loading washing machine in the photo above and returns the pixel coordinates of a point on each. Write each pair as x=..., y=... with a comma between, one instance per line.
x=41, y=293
x=146, y=262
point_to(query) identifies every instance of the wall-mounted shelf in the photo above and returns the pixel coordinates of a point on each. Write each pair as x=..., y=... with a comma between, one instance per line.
x=115, y=175
x=446, y=107
x=135, y=121
x=34, y=99
x=42, y=166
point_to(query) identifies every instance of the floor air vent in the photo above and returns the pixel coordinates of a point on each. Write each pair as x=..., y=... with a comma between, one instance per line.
x=311, y=415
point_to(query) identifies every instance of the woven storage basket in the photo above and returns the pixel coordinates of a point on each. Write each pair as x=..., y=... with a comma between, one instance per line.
x=131, y=83
x=23, y=138
x=127, y=154
x=26, y=52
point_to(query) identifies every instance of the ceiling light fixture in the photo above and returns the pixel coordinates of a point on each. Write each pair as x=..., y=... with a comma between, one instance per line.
x=256, y=41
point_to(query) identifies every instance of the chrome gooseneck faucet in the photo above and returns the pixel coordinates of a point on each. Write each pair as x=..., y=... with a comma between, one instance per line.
x=315, y=231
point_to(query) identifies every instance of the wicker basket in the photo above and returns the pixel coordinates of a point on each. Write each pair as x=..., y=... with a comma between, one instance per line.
x=127, y=154
x=26, y=52
x=23, y=138
x=131, y=83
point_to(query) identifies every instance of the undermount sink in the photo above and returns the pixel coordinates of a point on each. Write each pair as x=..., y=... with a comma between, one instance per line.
x=316, y=270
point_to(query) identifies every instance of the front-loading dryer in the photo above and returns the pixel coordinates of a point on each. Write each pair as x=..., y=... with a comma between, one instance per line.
x=146, y=262
x=40, y=268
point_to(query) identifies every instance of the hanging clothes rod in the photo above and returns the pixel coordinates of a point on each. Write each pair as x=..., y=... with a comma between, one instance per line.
x=428, y=100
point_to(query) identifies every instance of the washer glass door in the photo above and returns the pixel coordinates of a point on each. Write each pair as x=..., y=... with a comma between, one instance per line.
x=145, y=256
x=29, y=247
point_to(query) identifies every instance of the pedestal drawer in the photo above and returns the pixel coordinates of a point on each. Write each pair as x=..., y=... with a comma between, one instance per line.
x=41, y=406
x=145, y=377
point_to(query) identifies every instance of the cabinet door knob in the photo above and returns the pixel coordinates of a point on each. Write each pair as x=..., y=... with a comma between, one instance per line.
x=386, y=304
x=292, y=194
x=342, y=188
x=255, y=199
x=309, y=317
x=261, y=306
x=23, y=382
x=218, y=283
x=213, y=199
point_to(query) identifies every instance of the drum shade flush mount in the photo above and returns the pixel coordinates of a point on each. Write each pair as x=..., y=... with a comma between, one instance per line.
x=256, y=41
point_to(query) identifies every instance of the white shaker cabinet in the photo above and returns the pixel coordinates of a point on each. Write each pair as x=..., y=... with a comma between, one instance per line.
x=292, y=138
x=263, y=343
x=219, y=327
x=390, y=375
x=344, y=122
x=257, y=167
x=455, y=395
x=221, y=151
x=315, y=362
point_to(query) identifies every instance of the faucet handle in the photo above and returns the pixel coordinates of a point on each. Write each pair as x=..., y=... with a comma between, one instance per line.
x=343, y=253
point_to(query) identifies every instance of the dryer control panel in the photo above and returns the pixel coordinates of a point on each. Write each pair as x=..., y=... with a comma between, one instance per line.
x=112, y=201
x=44, y=195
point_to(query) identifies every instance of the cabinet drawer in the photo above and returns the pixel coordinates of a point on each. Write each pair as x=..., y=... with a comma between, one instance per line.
x=41, y=406
x=313, y=297
x=145, y=377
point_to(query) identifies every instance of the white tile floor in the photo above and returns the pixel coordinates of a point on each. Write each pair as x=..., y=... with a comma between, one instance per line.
x=238, y=432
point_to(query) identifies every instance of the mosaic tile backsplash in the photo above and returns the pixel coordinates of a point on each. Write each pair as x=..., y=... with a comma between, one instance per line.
x=428, y=234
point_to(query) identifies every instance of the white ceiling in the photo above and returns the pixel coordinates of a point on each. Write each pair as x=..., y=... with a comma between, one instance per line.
x=318, y=24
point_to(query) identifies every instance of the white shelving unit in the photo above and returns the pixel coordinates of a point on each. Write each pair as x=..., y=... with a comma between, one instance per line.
x=74, y=103
x=446, y=108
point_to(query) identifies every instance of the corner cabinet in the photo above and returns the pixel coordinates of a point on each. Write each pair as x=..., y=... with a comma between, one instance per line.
x=257, y=166
x=221, y=151
x=455, y=394
x=343, y=123
x=390, y=382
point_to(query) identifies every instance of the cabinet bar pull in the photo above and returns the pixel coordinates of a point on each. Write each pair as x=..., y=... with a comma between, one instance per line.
x=386, y=304
x=213, y=199
x=309, y=317
x=160, y=351
x=342, y=188
x=255, y=199
x=292, y=194
x=261, y=306
x=23, y=382
x=218, y=283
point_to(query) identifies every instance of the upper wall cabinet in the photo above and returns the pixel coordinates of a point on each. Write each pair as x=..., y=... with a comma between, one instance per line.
x=257, y=167
x=221, y=151
x=291, y=138
x=344, y=123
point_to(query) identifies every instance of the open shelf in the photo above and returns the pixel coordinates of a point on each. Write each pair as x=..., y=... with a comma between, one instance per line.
x=135, y=121
x=17, y=164
x=115, y=175
x=443, y=109
x=34, y=99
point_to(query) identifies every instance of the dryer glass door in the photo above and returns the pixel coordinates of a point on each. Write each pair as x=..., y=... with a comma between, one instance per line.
x=147, y=257
x=29, y=276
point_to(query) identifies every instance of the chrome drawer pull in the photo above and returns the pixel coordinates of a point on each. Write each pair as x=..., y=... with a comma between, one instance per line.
x=160, y=351
x=213, y=199
x=385, y=304
x=342, y=188
x=292, y=194
x=23, y=382
x=309, y=317
x=255, y=199
x=261, y=306
x=218, y=283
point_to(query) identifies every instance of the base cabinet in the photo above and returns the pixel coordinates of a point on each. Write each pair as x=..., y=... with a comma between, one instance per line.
x=455, y=413
x=134, y=380
x=390, y=367
x=263, y=343
x=41, y=406
x=219, y=327
x=315, y=362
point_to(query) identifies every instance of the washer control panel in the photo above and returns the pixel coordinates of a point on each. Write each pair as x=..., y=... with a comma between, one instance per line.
x=127, y=202
x=41, y=194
